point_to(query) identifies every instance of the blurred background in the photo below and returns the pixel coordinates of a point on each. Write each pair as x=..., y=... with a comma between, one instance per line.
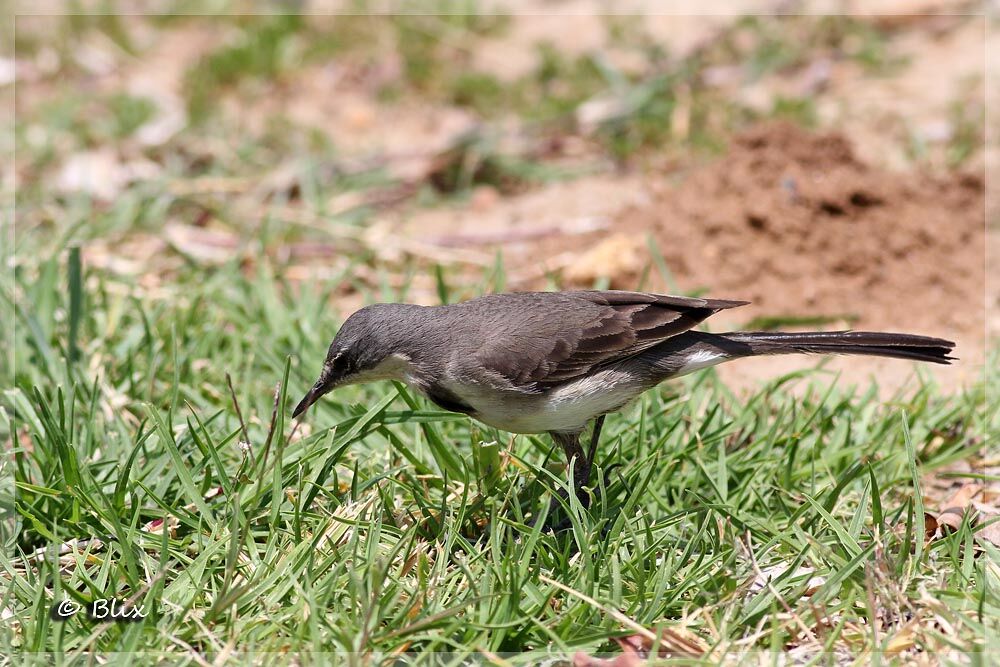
x=828, y=167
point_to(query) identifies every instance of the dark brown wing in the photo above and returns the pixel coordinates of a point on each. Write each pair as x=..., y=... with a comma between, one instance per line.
x=569, y=333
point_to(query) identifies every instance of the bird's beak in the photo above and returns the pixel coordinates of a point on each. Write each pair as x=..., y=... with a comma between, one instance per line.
x=323, y=385
x=304, y=404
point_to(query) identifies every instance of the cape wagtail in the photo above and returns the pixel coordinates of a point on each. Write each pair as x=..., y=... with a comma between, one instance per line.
x=551, y=362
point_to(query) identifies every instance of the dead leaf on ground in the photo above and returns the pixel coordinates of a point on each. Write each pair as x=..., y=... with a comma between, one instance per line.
x=903, y=640
x=628, y=658
x=615, y=256
x=990, y=533
x=157, y=526
x=102, y=174
x=773, y=572
x=636, y=649
x=931, y=526
x=130, y=256
x=954, y=509
x=205, y=245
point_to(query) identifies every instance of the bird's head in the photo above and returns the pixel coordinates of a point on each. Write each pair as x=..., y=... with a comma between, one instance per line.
x=368, y=347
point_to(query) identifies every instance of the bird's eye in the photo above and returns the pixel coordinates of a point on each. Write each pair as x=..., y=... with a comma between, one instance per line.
x=334, y=359
x=340, y=362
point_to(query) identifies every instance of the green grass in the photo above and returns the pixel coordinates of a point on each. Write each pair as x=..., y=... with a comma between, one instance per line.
x=384, y=525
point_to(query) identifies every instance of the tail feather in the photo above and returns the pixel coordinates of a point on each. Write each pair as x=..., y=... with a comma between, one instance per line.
x=895, y=345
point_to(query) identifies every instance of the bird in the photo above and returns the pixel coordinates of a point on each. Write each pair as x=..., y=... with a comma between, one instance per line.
x=552, y=362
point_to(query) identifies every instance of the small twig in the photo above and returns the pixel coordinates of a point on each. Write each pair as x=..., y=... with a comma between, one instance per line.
x=271, y=428
x=227, y=651
x=295, y=428
x=236, y=404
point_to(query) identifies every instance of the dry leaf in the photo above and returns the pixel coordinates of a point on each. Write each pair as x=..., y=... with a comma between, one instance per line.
x=636, y=649
x=632, y=654
x=614, y=256
x=678, y=641
x=628, y=658
x=157, y=526
x=966, y=500
x=206, y=245
x=990, y=533
x=101, y=174
x=989, y=515
x=772, y=572
x=954, y=509
x=131, y=256
x=902, y=640
x=931, y=525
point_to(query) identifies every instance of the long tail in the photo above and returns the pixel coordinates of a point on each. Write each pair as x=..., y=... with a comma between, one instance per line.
x=896, y=345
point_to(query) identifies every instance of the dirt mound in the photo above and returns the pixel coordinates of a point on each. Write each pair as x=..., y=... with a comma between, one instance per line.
x=797, y=223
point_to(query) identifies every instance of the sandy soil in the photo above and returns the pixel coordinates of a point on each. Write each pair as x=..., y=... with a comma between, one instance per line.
x=795, y=222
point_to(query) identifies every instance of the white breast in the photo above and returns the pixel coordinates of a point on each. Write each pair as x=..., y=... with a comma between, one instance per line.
x=567, y=408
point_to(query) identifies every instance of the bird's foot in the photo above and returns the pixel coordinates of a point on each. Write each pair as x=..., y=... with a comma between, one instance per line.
x=586, y=496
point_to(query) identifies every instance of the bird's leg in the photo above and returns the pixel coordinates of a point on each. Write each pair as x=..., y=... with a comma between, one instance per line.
x=595, y=437
x=570, y=443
